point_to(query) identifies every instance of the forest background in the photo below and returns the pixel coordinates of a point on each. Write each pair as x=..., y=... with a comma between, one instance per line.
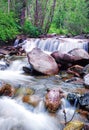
x=40, y=17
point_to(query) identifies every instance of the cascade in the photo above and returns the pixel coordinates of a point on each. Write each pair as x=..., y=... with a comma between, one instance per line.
x=54, y=44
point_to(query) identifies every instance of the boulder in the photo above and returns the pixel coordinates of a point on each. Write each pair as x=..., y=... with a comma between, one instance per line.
x=81, y=57
x=79, y=54
x=53, y=99
x=63, y=59
x=42, y=62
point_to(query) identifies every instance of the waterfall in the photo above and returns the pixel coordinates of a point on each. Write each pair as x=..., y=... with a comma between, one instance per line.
x=54, y=44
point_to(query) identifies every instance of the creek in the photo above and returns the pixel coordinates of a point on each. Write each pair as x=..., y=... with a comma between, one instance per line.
x=16, y=115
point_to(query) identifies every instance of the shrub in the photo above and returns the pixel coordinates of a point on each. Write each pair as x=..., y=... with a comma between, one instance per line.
x=8, y=26
x=31, y=30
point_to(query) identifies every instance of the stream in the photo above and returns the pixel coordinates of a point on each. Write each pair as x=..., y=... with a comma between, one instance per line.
x=17, y=115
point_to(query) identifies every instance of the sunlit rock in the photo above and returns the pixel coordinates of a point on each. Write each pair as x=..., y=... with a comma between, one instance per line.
x=74, y=125
x=42, y=62
x=79, y=54
x=7, y=90
x=53, y=99
x=81, y=57
x=32, y=100
x=21, y=91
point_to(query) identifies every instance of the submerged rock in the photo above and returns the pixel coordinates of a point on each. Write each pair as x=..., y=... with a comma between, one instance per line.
x=42, y=62
x=74, y=125
x=32, y=100
x=53, y=99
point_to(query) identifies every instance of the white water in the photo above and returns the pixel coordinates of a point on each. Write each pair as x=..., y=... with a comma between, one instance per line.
x=14, y=116
x=14, y=73
x=53, y=44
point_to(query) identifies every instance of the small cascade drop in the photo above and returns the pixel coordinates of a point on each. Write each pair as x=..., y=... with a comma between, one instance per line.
x=54, y=44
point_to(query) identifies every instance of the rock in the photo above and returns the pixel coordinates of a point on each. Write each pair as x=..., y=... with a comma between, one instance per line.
x=74, y=125
x=32, y=100
x=79, y=54
x=7, y=90
x=53, y=99
x=81, y=57
x=22, y=91
x=63, y=59
x=86, y=126
x=73, y=98
x=84, y=101
x=86, y=69
x=86, y=81
x=76, y=70
x=42, y=62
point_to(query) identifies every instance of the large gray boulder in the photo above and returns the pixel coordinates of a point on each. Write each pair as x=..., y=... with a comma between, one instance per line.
x=42, y=62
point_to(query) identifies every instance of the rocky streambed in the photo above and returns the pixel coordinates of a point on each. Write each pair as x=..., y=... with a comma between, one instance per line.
x=44, y=92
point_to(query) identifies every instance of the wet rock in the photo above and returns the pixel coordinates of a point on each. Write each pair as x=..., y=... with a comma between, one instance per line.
x=86, y=81
x=86, y=126
x=22, y=91
x=86, y=70
x=53, y=99
x=7, y=90
x=42, y=62
x=76, y=70
x=32, y=100
x=74, y=125
x=73, y=98
x=84, y=101
x=83, y=113
x=4, y=64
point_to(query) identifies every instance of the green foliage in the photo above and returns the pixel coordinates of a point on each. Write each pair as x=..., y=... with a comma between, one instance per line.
x=73, y=16
x=8, y=26
x=54, y=29
x=31, y=30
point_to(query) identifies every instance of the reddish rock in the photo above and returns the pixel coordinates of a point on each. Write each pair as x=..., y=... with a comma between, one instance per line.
x=42, y=62
x=53, y=99
x=7, y=90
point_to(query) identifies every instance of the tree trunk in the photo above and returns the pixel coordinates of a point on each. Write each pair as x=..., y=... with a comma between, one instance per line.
x=50, y=17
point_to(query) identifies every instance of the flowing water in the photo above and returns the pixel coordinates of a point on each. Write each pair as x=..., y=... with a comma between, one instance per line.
x=53, y=44
x=16, y=115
